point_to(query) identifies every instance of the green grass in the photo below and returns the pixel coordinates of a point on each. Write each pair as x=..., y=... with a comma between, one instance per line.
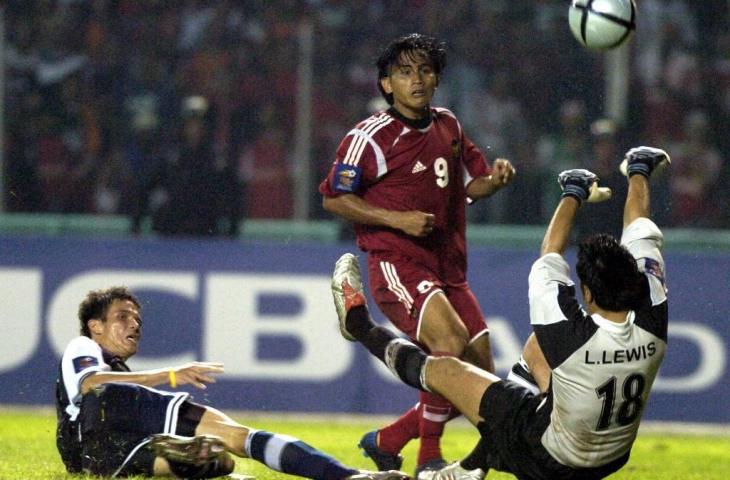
x=27, y=448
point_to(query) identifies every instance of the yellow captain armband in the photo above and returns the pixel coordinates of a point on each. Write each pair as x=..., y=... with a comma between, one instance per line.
x=173, y=378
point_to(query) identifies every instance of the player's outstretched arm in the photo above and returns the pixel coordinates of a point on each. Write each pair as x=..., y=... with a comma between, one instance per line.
x=558, y=231
x=502, y=174
x=355, y=209
x=637, y=199
x=196, y=374
x=578, y=185
x=638, y=165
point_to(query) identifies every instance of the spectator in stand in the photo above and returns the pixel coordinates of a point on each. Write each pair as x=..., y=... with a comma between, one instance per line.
x=196, y=195
x=564, y=149
x=601, y=160
x=127, y=52
x=695, y=181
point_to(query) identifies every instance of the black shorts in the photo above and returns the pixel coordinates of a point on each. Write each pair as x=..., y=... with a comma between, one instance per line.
x=117, y=420
x=514, y=422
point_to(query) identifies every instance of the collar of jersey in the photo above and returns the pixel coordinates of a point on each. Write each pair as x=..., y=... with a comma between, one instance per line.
x=419, y=124
x=613, y=326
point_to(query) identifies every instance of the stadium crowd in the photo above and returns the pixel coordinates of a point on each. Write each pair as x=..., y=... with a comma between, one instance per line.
x=155, y=107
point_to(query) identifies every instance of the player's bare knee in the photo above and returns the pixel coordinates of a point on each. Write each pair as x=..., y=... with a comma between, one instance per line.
x=533, y=354
x=453, y=341
x=234, y=434
x=451, y=345
x=235, y=438
x=441, y=369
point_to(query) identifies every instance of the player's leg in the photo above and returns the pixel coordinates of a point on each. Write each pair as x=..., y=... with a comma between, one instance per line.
x=118, y=421
x=222, y=465
x=536, y=362
x=394, y=283
x=383, y=445
x=445, y=335
x=531, y=370
x=478, y=352
x=461, y=383
x=441, y=328
x=457, y=380
x=282, y=453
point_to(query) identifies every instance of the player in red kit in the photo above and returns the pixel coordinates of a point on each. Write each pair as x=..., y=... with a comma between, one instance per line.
x=403, y=176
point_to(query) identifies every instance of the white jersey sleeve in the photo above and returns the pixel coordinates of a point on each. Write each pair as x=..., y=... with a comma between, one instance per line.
x=644, y=240
x=82, y=357
x=560, y=323
x=548, y=273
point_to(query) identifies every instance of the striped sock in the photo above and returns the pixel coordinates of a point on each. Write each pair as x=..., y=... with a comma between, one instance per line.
x=435, y=412
x=290, y=455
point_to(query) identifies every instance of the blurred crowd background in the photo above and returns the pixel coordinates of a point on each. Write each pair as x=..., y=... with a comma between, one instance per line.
x=185, y=112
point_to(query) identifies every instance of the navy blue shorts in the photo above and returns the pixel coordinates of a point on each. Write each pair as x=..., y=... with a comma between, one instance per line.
x=117, y=420
x=511, y=436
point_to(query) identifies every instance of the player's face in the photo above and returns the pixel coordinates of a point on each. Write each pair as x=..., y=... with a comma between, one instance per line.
x=413, y=83
x=120, y=333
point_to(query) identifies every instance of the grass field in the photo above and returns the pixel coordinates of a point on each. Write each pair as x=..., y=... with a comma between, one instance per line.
x=27, y=448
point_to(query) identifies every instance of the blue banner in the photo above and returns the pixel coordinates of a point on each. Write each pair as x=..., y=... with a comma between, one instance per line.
x=266, y=312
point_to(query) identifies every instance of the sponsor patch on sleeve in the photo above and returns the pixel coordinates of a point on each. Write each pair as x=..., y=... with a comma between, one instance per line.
x=82, y=363
x=346, y=178
x=654, y=268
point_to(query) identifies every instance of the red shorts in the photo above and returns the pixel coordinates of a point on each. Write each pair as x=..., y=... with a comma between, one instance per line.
x=401, y=288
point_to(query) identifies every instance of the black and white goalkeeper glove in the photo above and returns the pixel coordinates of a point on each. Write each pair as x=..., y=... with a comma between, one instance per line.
x=582, y=185
x=643, y=160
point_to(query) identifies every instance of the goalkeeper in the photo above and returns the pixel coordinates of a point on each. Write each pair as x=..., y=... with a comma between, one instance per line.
x=586, y=373
x=111, y=423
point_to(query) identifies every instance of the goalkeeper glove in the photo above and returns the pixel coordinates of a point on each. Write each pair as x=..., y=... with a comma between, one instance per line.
x=643, y=160
x=582, y=185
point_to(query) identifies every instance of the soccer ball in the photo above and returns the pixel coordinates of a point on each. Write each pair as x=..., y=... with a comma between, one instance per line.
x=602, y=24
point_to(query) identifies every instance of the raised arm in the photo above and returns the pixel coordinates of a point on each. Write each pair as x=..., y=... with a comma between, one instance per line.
x=638, y=165
x=557, y=234
x=502, y=174
x=194, y=373
x=352, y=207
x=637, y=199
x=578, y=185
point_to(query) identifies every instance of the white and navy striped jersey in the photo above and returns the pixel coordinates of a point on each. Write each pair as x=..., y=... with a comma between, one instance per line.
x=82, y=357
x=602, y=371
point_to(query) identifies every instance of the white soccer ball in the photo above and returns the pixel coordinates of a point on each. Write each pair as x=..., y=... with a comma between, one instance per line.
x=602, y=24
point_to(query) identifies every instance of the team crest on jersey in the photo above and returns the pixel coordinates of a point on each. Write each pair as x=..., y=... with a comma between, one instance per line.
x=455, y=149
x=82, y=363
x=346, y=178
x=653, y=267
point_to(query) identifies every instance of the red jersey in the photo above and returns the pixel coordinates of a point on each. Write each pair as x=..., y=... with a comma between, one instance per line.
x=393, y=165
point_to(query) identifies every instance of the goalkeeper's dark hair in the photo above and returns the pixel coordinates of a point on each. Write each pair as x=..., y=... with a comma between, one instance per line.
x=97, y=303
x=410, y=45
x=610, y=272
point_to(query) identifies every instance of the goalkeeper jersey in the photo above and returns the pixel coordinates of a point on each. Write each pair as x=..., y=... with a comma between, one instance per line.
x=602, y=371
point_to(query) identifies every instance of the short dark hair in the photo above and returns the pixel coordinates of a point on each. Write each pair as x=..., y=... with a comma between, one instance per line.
x=610, y=272
x=97, y=303
x=434, y=50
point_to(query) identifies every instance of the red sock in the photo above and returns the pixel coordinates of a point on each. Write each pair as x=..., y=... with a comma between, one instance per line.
x=392, y=438
x=435, y=412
